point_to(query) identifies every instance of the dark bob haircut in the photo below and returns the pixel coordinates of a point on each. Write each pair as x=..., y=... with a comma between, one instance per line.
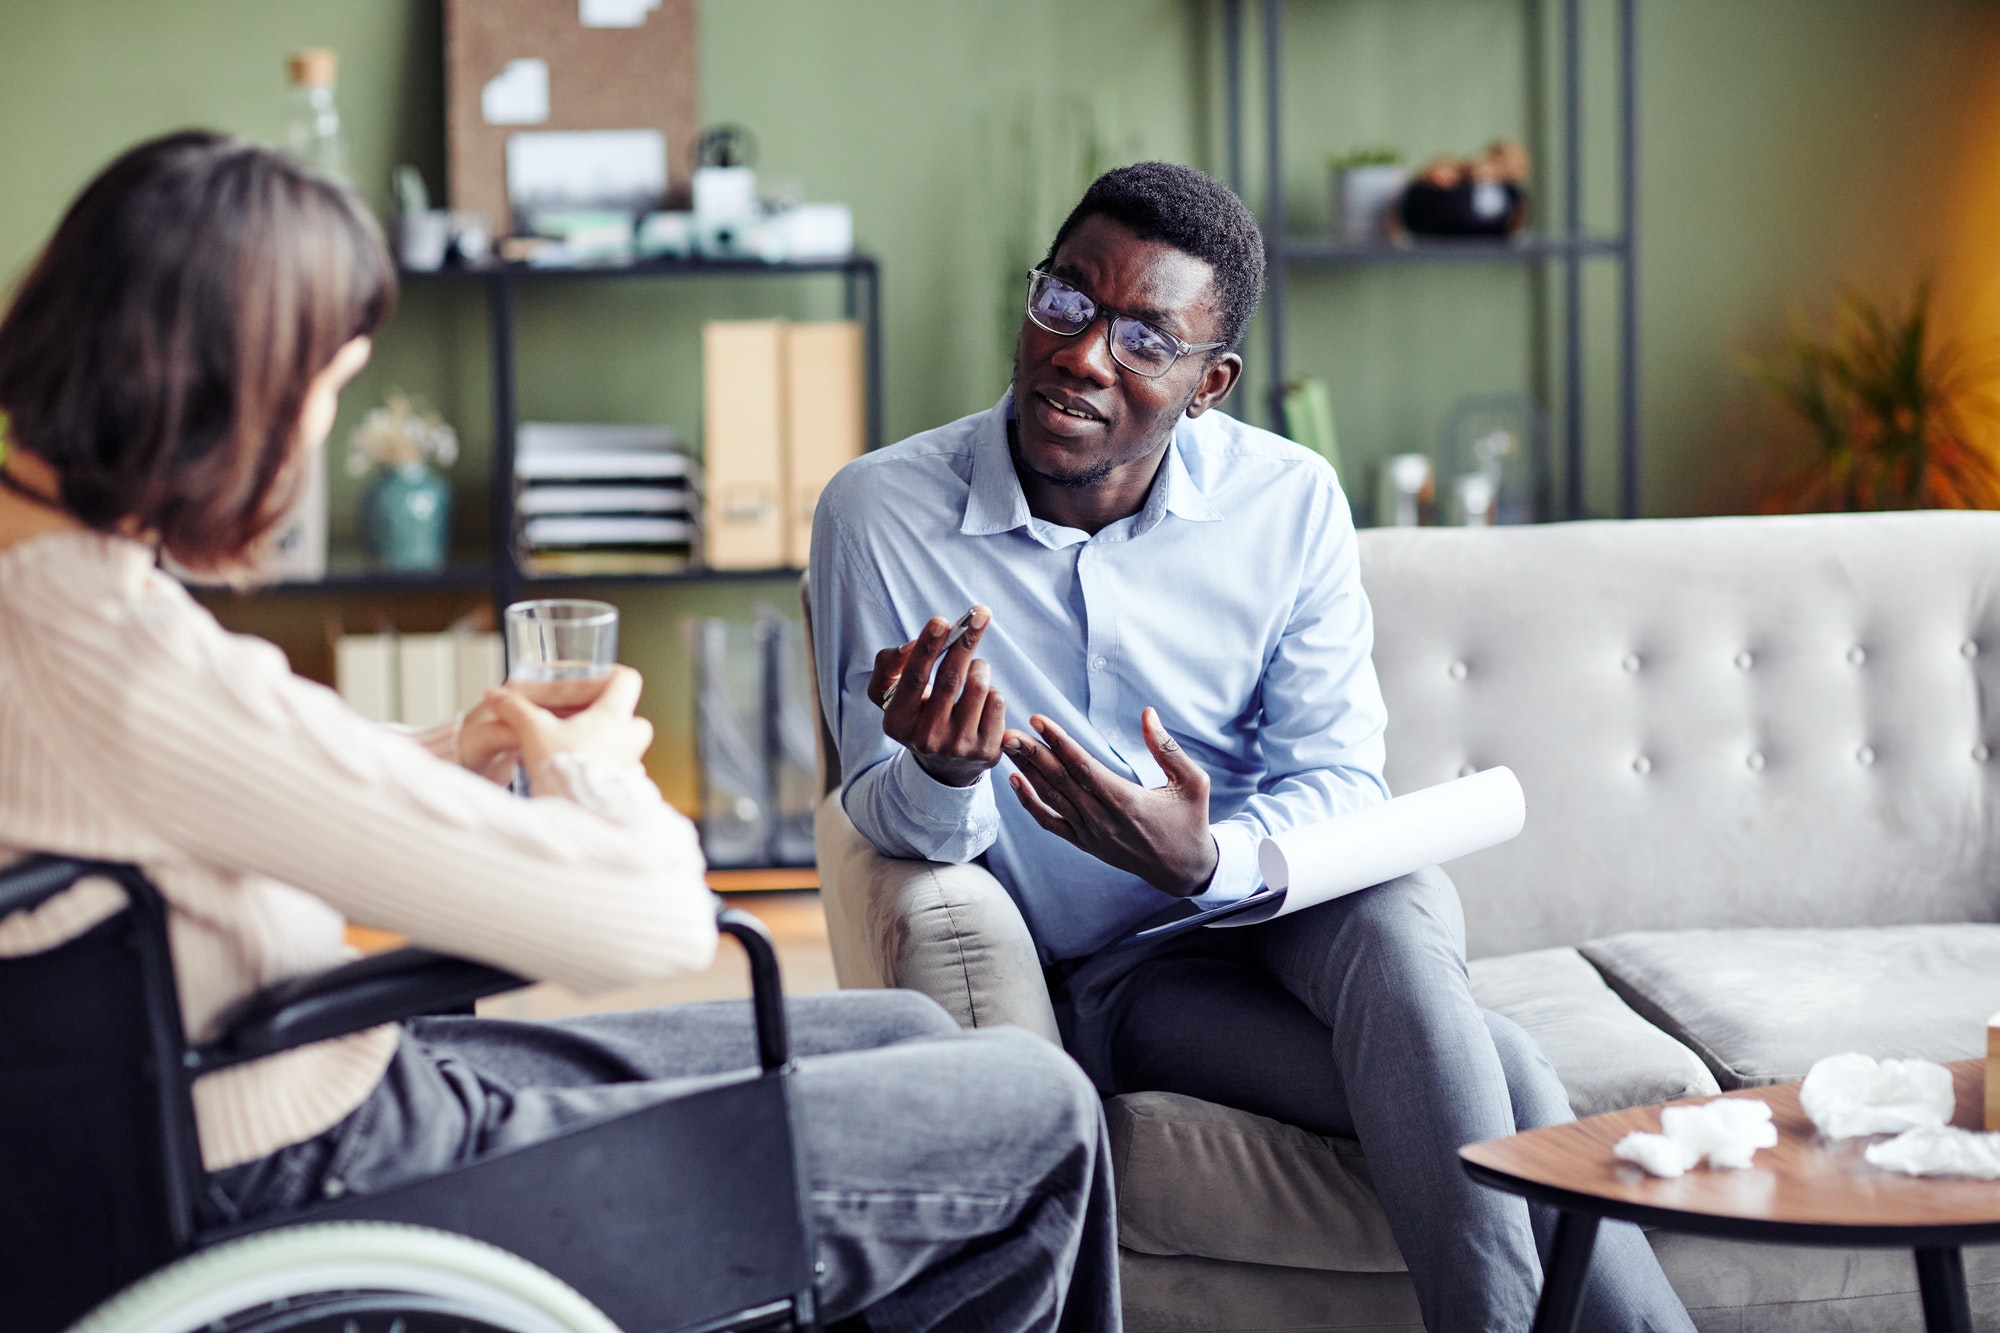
x=1194, y=213
x=158, y=353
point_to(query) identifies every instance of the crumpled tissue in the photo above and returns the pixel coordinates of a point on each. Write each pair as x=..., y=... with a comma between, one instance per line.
x=1939, y=1151
x=1728, y=1131
x=1848, y=1095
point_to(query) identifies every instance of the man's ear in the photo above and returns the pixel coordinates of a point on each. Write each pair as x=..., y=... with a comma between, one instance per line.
x=1216, y=382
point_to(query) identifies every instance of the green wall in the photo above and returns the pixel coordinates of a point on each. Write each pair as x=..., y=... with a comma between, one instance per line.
x=1788, y=146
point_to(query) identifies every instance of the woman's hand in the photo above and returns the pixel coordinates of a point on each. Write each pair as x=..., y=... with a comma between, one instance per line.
x=486, y=742
x=606, y=731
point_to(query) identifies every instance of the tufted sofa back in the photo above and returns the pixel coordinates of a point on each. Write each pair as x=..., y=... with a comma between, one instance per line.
x=1718, y=722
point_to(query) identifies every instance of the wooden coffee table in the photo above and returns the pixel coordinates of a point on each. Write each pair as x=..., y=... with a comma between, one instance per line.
x=1805, y=1191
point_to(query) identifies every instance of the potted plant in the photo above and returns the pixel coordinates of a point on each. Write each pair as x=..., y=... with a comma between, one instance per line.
x=1367, y=182
x=406, y=507
x=1899, y=418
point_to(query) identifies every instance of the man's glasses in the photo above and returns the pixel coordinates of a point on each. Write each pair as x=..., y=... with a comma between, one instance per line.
x=1136, y=345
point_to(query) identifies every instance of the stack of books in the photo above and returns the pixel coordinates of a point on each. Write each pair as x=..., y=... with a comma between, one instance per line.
x=602, y=499
x=416, y=679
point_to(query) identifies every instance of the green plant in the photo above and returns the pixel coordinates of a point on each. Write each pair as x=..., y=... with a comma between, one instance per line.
x=1900, y=419
x=1381, y=155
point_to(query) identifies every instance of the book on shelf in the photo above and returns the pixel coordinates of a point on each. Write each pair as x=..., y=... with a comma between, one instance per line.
x=416, y=679
x=593, y=451
x=563, y=530
x=585, y=564
x=623, y=498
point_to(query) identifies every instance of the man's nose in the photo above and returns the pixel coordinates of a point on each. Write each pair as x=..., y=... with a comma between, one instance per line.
x=1088, y=355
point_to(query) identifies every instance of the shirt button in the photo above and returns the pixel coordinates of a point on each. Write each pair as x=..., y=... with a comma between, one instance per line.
x=1968, y=650
x=1980, y=753
x=1857, y=655
x=1744, y=661
x=1755, y=761
x=1100, y=661
x=1456, y=671
x=1865, y=755
x=1631, y=663
x=1642, y=766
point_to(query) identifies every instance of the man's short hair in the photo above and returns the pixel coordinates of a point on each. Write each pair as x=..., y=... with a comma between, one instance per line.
x=1193, y=212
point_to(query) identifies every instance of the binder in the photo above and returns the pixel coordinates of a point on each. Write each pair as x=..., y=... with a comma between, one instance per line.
x=825, y=419
x=743, y=385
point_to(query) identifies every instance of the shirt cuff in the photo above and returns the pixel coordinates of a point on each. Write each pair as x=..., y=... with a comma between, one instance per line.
x=440, y=738
x=935, y=804
x=1236, y=874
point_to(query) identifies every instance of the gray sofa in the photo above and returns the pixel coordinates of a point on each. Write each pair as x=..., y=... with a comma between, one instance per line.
x=1763, y=827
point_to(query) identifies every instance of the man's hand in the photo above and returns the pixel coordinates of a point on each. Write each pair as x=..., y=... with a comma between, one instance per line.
x=1159, y=834
x=951, y=725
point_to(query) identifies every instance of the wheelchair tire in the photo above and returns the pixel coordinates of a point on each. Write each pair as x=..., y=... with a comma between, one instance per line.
x=358, y=1275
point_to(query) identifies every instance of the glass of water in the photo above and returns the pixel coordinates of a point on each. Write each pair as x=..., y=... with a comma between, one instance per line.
x=561, y=638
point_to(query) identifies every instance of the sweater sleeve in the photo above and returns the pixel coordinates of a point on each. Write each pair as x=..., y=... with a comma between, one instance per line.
x=208, y=739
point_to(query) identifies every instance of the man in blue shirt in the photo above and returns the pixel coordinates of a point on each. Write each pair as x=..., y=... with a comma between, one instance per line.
x=1170, y=601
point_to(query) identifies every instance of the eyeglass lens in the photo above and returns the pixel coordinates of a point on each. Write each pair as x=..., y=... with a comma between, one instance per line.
x=1135, y=345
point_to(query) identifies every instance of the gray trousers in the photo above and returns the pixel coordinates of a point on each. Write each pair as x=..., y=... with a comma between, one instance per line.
x=957, y=1180
x=1354, y=1018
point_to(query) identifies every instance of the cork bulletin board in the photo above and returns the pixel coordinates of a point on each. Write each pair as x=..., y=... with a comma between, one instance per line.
x=599, y=78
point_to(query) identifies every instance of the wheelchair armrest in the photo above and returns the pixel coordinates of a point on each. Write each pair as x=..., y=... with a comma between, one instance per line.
x=387, y=987
x=363, y=994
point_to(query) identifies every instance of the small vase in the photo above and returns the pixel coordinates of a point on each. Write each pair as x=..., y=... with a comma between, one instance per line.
x=406, y=513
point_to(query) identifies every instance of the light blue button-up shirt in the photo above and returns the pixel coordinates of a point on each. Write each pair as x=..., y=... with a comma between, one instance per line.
x=1231, y=602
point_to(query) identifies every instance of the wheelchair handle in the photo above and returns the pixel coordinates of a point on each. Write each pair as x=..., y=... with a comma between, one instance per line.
x=767, y=993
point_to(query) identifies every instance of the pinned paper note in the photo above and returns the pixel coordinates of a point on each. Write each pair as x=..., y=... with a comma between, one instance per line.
x=614, y=13
x=518, y=94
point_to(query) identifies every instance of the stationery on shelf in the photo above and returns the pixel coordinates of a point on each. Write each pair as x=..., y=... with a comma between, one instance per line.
x=785, y=410
x=1315, y=863
x=594, y=496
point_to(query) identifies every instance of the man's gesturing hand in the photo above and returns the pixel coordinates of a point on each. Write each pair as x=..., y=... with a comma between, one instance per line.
x=953, y=724
x=1159, y=834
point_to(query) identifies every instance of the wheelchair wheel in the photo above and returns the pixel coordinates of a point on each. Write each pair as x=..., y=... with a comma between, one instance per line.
x=349, y=1277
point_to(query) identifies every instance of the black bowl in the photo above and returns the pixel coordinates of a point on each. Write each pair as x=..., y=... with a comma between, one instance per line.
x=1469, y=208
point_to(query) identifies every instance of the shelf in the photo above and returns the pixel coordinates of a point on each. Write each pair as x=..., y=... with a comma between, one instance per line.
x=1439, y=250
x=462, y=274
x=476, y=578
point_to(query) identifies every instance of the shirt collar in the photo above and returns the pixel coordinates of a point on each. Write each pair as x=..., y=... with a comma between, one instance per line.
x=995, y=503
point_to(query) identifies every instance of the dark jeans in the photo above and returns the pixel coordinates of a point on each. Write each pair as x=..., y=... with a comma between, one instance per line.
x=1354, y=1018
x=957, y=1180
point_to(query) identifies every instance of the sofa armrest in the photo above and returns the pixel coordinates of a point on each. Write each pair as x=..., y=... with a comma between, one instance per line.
x=947, y=931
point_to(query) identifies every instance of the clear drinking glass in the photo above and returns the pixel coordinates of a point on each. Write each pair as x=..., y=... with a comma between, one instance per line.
x=561, y=638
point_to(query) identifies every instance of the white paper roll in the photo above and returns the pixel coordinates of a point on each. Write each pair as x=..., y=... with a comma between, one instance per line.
x=1379, y=842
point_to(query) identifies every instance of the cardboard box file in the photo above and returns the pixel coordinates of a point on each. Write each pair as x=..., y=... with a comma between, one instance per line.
x=743, y=443
x=824, y=418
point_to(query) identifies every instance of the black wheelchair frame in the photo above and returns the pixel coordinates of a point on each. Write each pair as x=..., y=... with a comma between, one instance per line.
x=698, y=1197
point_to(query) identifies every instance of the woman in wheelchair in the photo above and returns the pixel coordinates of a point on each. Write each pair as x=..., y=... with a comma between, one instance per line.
x=169, y=368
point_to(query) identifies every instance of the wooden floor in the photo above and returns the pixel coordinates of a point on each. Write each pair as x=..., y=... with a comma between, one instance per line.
x=795, y=920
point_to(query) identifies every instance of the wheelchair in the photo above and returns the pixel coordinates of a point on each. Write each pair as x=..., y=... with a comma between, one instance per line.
x=697, y=1198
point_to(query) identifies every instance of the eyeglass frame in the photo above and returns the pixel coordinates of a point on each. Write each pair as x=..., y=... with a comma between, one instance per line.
x=1181, y=346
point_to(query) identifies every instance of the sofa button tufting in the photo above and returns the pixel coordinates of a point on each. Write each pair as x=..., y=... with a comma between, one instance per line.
x=1456, y=671
x=1642, y=766
x=1980, y=753
x=1754, y=761
x=1865, y=755
x=1968, y=650
x=1744, y=661
x=1857, y=655
x=1631, y=663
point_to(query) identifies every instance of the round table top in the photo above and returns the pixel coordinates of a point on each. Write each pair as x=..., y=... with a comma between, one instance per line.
x=1804, y=1189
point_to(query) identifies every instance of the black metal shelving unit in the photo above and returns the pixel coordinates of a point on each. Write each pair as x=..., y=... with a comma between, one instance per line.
x=502, y=576
x=1569, y=248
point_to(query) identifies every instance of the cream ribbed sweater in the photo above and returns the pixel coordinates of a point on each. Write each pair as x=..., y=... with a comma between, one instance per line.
x=133, y=728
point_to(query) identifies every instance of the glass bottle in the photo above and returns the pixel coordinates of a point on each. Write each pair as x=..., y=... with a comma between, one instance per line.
x=313, y=129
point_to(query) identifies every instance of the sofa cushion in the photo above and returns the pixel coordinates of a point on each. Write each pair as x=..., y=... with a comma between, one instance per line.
x=1607, y=1056
x=1760, y=1006
x=1201, y=1179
